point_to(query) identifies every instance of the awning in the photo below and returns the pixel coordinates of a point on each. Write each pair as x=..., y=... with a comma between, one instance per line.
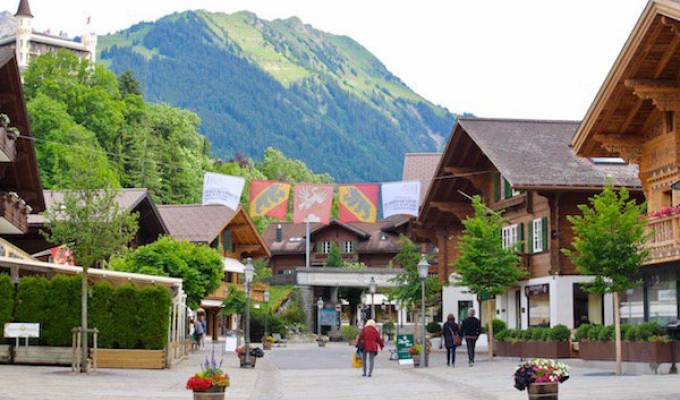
x=211, y=303
x=233, y=265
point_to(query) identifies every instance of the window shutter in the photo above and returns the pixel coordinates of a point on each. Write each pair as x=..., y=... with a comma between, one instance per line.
x=319, y=247
x=530, y=236
x=507, y=189
x=546, y=239
x=520, y=237
x=496, y=187
x=354, y=246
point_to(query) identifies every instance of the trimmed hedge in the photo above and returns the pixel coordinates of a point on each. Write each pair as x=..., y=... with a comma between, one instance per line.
x=644, y=332
x=6, y=300
x=127, y=317
x=558, y=333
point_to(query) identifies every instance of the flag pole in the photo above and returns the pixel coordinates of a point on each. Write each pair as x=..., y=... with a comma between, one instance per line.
x=307, y=242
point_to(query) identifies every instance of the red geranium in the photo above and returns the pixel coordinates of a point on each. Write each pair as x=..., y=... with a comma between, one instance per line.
x=199, y=384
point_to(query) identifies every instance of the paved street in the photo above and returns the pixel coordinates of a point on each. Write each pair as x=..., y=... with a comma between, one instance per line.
x=306, y=372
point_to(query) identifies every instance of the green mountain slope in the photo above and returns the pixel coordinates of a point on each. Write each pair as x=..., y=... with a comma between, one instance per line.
x=255, y=83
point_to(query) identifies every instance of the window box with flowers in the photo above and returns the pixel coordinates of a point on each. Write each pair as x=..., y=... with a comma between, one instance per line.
x=211, y=382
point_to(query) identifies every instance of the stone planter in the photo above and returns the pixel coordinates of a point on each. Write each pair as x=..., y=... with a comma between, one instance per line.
x=212, y=394
x=543, y=391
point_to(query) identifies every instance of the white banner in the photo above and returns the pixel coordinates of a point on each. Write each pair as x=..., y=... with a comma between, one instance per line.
x=222, y=189
x=400, y=198
x=21, y=330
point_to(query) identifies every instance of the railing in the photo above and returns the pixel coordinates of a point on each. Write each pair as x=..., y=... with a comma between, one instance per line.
x=14, y=210
x=664, y=241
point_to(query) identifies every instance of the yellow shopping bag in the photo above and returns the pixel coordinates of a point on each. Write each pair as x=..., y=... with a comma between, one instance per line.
x=356, y=361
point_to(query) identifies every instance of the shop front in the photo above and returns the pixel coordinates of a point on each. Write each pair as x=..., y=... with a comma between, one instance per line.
x=655, y=299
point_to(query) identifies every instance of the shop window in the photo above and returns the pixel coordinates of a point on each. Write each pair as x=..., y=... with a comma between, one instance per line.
x=463, y=307
x=538, y=298
x=632, y=306
x=588, y=307
x=662, y=297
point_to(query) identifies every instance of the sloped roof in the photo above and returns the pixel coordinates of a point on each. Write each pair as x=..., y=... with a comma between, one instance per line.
x=376, y=240
x=196, y=222
x=127, y=199
x=24, y=10
x=421, y=167
x=536, y=153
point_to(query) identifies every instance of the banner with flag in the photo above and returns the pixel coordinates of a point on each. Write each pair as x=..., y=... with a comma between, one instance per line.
x=269, y=198
x=358, y=203
x=312, y=203
x=222, y=189
x=400, y=198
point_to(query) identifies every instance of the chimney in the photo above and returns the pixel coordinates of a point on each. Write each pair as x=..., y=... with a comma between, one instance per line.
x=279, y=233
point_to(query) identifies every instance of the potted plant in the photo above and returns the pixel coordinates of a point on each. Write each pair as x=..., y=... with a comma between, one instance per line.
x=541, y=378
x=267, y=342
x=255, y=353
x=322, y=340
x=211, y=382
x=414, y=351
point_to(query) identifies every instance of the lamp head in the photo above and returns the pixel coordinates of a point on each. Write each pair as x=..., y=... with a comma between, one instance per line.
x=372, y=286
x=249, y=270
x=423, y=267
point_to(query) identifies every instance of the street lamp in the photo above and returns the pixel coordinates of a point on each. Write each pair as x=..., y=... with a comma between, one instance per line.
x=249, y=272
x=266, y=311
x=319, y=306
x=423, y=270
x=372, y=287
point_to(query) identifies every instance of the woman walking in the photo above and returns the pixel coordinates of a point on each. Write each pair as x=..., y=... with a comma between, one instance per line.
x=451, y=339
x=370, y=343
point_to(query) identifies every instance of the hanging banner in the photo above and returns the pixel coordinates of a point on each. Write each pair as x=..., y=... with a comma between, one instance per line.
x=269, y=198
x=222, y=189
x=62, y=255
x=358, y=203
x=312, y=203
x=400, y=198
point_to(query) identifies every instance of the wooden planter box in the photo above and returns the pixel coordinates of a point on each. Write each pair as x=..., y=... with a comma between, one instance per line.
x=132, y=359
x=630, y=351
x=546, y=350
x=43, y=355
x=508, y=349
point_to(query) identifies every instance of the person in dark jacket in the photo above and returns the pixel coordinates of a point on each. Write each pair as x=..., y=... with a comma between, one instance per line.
x=451, y=335
x=472, y=328
x=370, y=343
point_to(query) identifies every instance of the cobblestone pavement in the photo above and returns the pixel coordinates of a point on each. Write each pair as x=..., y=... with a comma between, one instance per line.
x=304, y=371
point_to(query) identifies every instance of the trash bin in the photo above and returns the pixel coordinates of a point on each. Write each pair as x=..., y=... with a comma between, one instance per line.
x=673, y=330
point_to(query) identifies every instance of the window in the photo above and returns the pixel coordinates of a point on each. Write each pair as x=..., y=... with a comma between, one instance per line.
x=537, y=235
x=632, y=307
x=538, y=298
x=348, y=246
x=324, y=247
x=511, y=235
x=502, y=188
x=662, y=297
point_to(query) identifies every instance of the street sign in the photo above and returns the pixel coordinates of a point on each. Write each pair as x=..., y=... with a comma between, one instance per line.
x=21, y=330
x=328, y=317
x=405, y=342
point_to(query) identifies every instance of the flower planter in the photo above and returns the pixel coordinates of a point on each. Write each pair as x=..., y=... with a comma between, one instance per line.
x=649, y=352
x=543, y=391
x=242, y=361
x=321, y=343
x=267, y=345
x=546, y=350
x=212, y=394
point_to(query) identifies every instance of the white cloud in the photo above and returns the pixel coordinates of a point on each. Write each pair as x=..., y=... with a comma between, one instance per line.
x=533, y=59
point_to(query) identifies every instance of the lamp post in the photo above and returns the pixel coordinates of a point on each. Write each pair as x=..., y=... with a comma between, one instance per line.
x=423, y=270
x=249, y=272
x=372, y=287
x=319, y=306
x=266, y=311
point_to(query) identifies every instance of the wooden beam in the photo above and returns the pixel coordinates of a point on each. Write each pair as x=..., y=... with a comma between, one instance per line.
x=249, y=248
x=667, y=55
x=628, y=146
x=665, y=94
x=462, y=170
x=631, y=115
x=460, y=210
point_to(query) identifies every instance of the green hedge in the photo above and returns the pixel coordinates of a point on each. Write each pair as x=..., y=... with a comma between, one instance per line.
x=558, y=333
x=127, y=317
x=6, y=300
x=645, y=332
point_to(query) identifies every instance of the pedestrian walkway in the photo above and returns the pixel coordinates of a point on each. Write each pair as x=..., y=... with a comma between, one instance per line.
x=305, y=371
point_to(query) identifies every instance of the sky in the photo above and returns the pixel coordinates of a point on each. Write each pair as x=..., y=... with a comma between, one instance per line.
x=493, y=58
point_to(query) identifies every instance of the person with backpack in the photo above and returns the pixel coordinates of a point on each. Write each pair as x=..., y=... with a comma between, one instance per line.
x=370, y=342
x=452, y=339
x=472, y=328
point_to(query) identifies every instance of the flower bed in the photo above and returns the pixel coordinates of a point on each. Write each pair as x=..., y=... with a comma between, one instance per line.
x=534, y=342
x=641, y=343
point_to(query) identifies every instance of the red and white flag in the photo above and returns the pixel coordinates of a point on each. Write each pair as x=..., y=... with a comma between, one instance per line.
x=312, y=203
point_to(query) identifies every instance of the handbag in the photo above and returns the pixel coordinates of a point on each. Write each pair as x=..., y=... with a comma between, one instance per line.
x=457, y=340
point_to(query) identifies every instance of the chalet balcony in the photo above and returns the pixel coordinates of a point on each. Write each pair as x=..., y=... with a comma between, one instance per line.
x=13, y=214
x=664, y=243
x=8, y=150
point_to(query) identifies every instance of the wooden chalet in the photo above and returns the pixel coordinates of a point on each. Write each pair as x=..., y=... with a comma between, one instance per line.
x=140, y=201
x=636, y=116
x=373, y=244
x=526, y=170
x=20, y=187
x=233, y=234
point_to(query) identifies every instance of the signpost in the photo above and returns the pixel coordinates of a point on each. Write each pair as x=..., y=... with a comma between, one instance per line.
x=405, y=342
x=21, y=330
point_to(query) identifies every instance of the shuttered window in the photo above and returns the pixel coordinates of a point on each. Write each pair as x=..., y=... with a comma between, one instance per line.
x=323, y=247
x=349, y=246
x=538, y=235
x=511, y=235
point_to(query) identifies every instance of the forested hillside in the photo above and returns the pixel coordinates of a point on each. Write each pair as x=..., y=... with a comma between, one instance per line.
x=255, y=83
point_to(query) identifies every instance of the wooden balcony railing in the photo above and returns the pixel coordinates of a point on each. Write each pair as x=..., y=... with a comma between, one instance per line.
x=13, y=214
x=664, y=242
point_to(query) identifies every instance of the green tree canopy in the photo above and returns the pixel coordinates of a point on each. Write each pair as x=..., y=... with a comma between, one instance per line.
x=234, y=303
x=407, y=291
x=199, y=266
x=484, y=266
x=334, y=258
x=609, y=240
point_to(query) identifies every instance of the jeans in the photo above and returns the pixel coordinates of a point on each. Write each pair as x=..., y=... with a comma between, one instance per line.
x=451, y=355
x=471, y=348
x=368, y=357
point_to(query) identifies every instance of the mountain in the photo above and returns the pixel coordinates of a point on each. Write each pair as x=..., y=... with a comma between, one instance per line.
x=318, y=97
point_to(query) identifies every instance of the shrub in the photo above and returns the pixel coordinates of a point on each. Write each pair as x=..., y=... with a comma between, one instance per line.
x=649, y=329
x=559, y=333
x=126, y=318
x=293, y=314
x=581, y=333
x=6, y=299
x=62, y=312
x=349, y=332
x=433, y=327
x=31, y=301
x=498, y=326
x=275, y=324
x=606, y=333
x=100, y=312
x=503, y=336
x=594, y=333
x=153, y=317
